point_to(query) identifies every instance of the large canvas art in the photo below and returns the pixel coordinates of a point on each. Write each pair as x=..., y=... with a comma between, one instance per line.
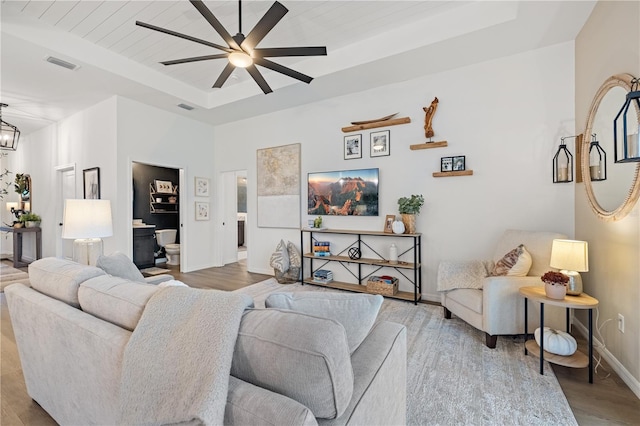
x=279, y=187
x=343, y=193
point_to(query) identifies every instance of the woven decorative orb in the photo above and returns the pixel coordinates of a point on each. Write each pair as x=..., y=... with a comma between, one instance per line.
x=354, y=253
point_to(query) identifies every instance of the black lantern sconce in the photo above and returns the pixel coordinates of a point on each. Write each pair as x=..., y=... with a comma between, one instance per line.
x=626, y=144
x=9, y=134
x=597, y=160
x=563, y=163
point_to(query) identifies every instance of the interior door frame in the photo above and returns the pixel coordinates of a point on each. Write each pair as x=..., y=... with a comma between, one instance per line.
x=182, y=208
x=60, y=202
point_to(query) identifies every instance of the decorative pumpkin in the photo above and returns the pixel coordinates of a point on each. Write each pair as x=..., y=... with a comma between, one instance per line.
x=556, y=341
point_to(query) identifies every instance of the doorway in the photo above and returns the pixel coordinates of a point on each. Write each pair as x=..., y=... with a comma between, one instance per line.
x=241, y=190
x=156, y=205
x=235, y=217
x=66, y=189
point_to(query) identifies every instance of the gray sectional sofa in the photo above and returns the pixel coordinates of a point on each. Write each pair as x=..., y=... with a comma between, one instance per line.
x=100, y=349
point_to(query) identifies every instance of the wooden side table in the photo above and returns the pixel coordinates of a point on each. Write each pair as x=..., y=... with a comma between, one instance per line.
x=17, y=243
x=578, y=359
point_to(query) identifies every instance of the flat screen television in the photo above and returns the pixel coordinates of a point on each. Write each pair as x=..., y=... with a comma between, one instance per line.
x=343, y=193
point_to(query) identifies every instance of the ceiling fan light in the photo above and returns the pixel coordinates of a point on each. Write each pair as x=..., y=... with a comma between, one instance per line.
x=240, y=59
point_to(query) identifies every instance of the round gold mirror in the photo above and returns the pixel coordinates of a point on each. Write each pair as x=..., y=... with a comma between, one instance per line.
x=614, y=197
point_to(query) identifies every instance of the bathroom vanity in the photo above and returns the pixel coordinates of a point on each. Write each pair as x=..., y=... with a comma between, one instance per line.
x=144, y=244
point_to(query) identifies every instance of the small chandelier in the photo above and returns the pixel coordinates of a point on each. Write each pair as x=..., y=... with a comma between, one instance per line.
x=563, y=163
x=9, y=134
x=597, y=160
x=626, y=143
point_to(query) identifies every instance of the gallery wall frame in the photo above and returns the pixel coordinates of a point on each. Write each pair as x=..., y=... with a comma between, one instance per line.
x=91, y=183
x=201, y=187
x=380, y=143
x=202, y=210
x=352, y=147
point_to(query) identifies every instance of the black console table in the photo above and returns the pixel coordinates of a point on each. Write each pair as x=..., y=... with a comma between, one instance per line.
x=17, y=243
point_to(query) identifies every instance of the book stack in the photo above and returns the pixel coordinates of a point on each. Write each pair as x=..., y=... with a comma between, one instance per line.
x=323, y=276
x=321, y=248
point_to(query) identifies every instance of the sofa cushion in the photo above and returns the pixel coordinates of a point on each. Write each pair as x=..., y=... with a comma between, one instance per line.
x=119, y=265
x=116, y=300
x=60, y=278
x=356, y=312
x=303, y=357
x=515, y=263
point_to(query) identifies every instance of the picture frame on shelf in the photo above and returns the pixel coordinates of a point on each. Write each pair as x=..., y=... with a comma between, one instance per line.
x=446, y=164
x=202, y=210
x=164, y=186
x=459, y=163
x=380, y=143
x=91, y=183
x=202, y=187
x=352, y=147
x=388, y=223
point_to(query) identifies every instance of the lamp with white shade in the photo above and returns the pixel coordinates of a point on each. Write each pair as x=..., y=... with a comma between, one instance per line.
x=87, y=222
x=572, y=257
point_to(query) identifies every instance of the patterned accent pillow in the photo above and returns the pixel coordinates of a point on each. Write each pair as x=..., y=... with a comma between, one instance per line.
x=516, y=263
x=280, y=258
x=294, y=255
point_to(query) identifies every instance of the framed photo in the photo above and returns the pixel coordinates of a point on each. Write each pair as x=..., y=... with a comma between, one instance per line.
x=202, y=210
x=388, y=223
x=202, y=187
x=343, y=193
x=380, y=143
x=446, y=164
x=352, y=147
x=458, y=163
x=164, y=187
x=91, y=181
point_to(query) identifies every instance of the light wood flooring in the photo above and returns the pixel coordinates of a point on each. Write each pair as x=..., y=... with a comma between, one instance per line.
x=608, y=401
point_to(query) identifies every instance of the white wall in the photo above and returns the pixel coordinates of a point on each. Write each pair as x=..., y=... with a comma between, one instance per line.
x=608, y=44
x=507, y=117
x=153, y=136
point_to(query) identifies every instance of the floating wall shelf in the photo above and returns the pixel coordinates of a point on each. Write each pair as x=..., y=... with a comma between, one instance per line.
x=428, y=145
x=457, y=173
x=384, y=123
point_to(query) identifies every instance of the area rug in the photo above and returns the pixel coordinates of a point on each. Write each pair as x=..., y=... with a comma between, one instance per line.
x=11, y=275
x=453, y=378
x=154, y=270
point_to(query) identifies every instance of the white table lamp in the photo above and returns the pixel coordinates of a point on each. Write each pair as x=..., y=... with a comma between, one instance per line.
x=87, y=222
x=572, y=257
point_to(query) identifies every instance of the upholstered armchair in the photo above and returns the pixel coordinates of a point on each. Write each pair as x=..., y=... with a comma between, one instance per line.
x=497, y=308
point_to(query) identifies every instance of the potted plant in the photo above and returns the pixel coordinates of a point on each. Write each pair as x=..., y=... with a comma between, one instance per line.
x=409, y=207
x=555, y=284
x=30, y=220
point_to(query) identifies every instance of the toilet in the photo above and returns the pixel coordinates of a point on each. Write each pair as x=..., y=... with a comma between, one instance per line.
x=167, y=238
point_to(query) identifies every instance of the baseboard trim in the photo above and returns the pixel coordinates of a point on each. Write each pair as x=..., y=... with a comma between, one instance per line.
x=617, y=366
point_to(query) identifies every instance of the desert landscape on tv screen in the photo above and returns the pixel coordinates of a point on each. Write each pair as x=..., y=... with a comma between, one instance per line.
x=343, y=193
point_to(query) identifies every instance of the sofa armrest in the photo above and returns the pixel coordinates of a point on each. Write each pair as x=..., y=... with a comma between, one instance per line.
x=157, y=279
x=503, y=307
x=248, y=404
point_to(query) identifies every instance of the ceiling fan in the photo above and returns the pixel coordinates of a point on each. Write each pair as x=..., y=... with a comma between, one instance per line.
x=241, y=50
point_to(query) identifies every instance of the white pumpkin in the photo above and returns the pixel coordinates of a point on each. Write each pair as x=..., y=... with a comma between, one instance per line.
x=556, y=341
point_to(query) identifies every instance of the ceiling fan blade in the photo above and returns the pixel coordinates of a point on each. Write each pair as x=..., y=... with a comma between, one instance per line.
x=253, y=71
x=195, y=59
x=224, y=75
x=220, y=29
x=272, y=52
x=264, y=25
x=184, y=36
x=283, y=70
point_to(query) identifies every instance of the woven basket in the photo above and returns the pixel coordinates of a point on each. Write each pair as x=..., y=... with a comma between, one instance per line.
x=381, y=287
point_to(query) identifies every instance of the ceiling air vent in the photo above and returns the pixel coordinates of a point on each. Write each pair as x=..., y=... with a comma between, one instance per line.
x=185, y=106
x=59, y=62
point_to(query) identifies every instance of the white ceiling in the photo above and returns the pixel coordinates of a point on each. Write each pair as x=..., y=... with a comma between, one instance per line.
x=369, y=43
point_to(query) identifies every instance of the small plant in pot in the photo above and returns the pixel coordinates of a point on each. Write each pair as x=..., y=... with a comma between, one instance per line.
x=555, y=284
x=30, y=220
x=409, y=207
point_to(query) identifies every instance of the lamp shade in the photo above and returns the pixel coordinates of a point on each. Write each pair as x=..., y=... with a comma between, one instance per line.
x=11, y=205
x=87, y=219
x=571, y=255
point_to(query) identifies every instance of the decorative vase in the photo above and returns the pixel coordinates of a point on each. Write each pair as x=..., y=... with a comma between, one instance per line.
x=393, y=254
x=397, y=227
x=32, y=224
x=409, y=221
x=555, y=291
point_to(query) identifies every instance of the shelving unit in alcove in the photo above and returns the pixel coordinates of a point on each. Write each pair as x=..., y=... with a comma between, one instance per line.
x=164, y=205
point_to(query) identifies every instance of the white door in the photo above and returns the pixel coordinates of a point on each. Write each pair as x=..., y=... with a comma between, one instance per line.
x=229, y=218
x=66, y=190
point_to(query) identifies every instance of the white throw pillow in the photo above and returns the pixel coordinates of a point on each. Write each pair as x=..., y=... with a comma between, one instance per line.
x=522, y=266
x=516, y=263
